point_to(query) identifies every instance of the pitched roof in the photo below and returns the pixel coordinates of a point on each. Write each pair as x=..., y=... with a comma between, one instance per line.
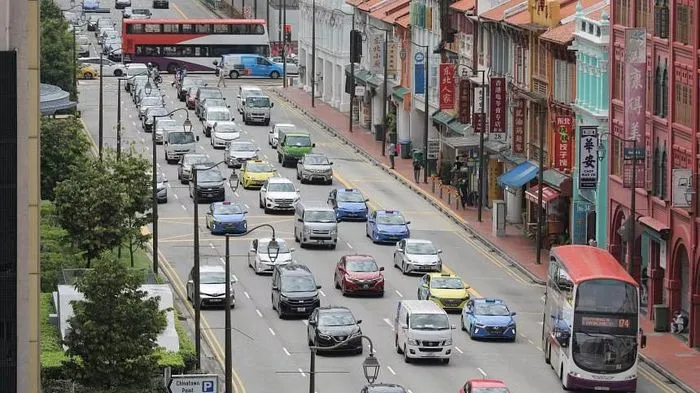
x=393, y=17
x=463, y=5
x=371, y=5
x=564, y=33
x=404, y=21
x=354, y=3
x=497, y=14
x=389, y=8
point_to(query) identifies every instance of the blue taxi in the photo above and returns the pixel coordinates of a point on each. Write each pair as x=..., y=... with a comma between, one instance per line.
x=226, y=217
x=387, y=226
x=349, y=204
x=488, y=318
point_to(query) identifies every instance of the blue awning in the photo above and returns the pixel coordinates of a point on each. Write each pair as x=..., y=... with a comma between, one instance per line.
x=519, y=176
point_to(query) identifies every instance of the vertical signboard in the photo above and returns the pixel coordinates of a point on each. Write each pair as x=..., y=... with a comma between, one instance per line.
x=519, y=126
x=392, y=61
x=447, y=86
x=562, y=142
x=497, y=108
x=419, y=73
x=376, y=48
x=635, y=100
x=588, y=157
x=465, y=98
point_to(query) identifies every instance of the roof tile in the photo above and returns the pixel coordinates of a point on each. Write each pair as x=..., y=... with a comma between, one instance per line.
x=354, y=3
x=404, y=21
x=463, y=5
x=564, y=33
x=371, y=4
x=497, y=14
x=389, y=8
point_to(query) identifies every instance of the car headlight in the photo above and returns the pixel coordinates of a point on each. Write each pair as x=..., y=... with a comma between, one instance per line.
x=307, y=230
x=356, y=333
x=283, y=298
x=215, y=223
x=412, y=341
x=327, y=337
x=480, y=325
x=448, y=341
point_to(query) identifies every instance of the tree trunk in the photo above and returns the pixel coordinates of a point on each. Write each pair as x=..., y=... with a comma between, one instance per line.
x=131, y=252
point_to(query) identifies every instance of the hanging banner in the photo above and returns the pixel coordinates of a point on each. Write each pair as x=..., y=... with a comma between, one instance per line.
x=465, y=98
x=497, y=107
x=562, y=142
x=392, y=61
x=519, y=126
x=479, y=122
x=376, y=48
x=635, y=101
x=588, y=157
x=447, y=86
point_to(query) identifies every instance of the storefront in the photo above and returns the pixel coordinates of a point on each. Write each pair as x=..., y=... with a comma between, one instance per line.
x=401, y=97
x=513, y=182
x=655, y=235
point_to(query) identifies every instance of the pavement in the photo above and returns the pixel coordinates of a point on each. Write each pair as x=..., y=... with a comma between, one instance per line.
x=665, y=352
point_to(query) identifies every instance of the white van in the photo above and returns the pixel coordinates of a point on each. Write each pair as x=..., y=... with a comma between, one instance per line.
x=177, y=143
x=257, y=109
x=422, y=331
x=245, y=91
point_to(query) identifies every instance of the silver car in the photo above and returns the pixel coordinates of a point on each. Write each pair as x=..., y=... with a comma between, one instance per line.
x=224, y=132
x=161, y=189
x=161, y=124
x=417, y=256
x=212, y=286
x=259, y=259
x=274, y=134
x=184, y=169
x=149, y=102
x=150, y=116
x=315, y=167
x=238, y=152
x=211, y=103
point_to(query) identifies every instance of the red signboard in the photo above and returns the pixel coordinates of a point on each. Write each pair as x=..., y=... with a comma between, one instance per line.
x=447, y=86
x=519, y=126
x=465, y=98
x=479, y=122
x=563, y=134
x=497, y=105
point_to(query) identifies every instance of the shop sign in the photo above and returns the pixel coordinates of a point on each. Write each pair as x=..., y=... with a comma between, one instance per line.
x=392, y=61
x=433, y=149
x=635, y=100
x=419, y=78
x=465, y=98
x=479, y=122
x=562, y=142
x=375, y=55
x=588, y=157
x=639, y=179
x=519, y=126
x=497, y=107
x=447, y=86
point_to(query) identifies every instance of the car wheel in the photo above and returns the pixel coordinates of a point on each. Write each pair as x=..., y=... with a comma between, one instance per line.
x=299, y=177
x=343, y=291
x=267, y=122
x=461, y=322
x=118, y=73
x=274, y=75
x=172, y=68
x=262, y=205
x=471, y=333
x=396, y=344
x=279, y=158
x=406, y=359
x=548, y=355
x=446, y=361
x=335, y=281
x=266, y=210
x=233, y=74
x=206, y=223
x=359, y=350
x=333, y=246
x=296, y=238
x=404, y=269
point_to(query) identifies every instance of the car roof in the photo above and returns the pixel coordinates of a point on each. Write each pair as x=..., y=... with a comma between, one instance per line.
x=352, y=257
x=316, y=205
x=279, y=179
x=349, y=190
x=226, y=203
x=316, y=155
x=267, y=240
x=334, y=308
x=488, y=300
x=446, y=275
x=384, y=212
x=487, y=383
x=217, y=108
x=418, y=241
x=211, y=268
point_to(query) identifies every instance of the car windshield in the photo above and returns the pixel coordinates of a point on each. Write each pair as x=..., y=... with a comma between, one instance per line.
x=210, y=93
x=420, y=248
x=350, y=197
x=218, y=115
x=316, y=160
x=491, y=309
x=227, y=209
x=604, y=353
x=281, y=187
x=243, y=147
x=262, y=247
x=151, y=101
x=336, y=318
x=390, y=219
x=258, y=102
x=212, y=277
x=429, y=322
x=490, y=390
x=179, y=138
x=298, y=284
x=368, y=265
x=319, y=216
x=192, y=159
x=298, y=140
x=211, y=102
x=157, y=112
x=260, y=167
x=162, y=123
x=210, y=175
x=227, y=128
x=446, y=283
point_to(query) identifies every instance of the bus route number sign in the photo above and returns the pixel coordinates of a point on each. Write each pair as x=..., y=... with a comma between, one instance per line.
x=606, y=322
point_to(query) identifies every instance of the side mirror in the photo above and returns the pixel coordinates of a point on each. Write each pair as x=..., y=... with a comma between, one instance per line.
x=313, y=145
x=370, y=219
x=272, y=104
x=251, y=250
x=300, y=219
x=330, y=163
x=165, y=180
x=466, y=286
x=239, y=97
x=367, y=200
x=512, y=314
x=223, y=178
x=312, y=322
x=272, y=131
x=233, y=118
x=228, y=106
x=359, y=321
x=404, y=326
x=190, y=282
x=234, y=280
x=166, y=142
x=438, y=251
x=196, y=138
x=424, y=285
x=408, y=222
x=318, y=287
x=381, y=268
x=468, y=312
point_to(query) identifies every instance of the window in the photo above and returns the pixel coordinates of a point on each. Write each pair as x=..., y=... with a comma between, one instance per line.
x=621, y=12
x=221, y=29
x=618, y=86
x=187, y=28
x=202, y=28
x=616, y=152
x=169, y=51
x=135, y=28
x=541, y=60
x=682, y=110
x=656, y=171
x=152, y=28
x=662, y=177
x=661, y=17
x=684, y=24
x=564, y=81
x=171, y=28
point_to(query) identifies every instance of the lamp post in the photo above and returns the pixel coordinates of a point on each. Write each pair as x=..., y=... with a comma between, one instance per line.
x=426, y=108
x=385, y=84
x=101, y=105
x=540, y=187
x=370, y=365
x=313, y=54
x=352, y=66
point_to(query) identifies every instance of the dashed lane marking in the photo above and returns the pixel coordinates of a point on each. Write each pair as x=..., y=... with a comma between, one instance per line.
x=458, y=350
x=286, y=351
x=398, y=293
x=306, y=322
x=388, y=322
x=259, y=313
x=482, y=372
x=322, y=293
x=246, y=294
x=303, y=374
x=391, y=370
x=531, y=342
x=271, y=331
x=183, y=207
x=349, y=245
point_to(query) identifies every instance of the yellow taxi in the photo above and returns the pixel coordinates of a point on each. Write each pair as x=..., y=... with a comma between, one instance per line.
x=255, y=172
x=447, y=290
x=86, y=71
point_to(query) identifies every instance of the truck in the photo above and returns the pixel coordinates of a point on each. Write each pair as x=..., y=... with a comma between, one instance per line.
x=292, y=145
x=256, y=109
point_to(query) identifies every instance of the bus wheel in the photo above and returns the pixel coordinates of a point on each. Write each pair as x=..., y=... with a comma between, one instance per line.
x=172, y=68
x=548, y=354
x=564, y=379
x=274, y=75
x=233, y=74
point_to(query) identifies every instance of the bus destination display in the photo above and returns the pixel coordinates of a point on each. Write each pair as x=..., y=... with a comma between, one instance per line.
x=601, y=323
x=607, y=322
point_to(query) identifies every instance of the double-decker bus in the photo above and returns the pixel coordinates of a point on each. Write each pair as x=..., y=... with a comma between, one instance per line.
x=194, y=43
x=590, y=333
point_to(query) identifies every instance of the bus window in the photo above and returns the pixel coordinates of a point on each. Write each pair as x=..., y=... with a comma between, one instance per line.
x=135, y=28
x=152, y=28
x=169, y=51
x=171, y=28
x=151, y=50
x=565, y=285
x=238, y=29
x=221, y=29
x=259, y=29
x=203, y=28
x=184, y=51
x=201, y=51
x=186, y=28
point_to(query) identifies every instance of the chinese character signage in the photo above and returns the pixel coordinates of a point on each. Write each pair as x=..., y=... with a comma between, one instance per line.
x=479, y=122
x=465, y=98
x=635, y=100
x=497, y=106
x=392, y=61
x=447, y=86
x=627, y=175
x=519, y=126
x=588, y=157
x=376, y=48
x=562, y=142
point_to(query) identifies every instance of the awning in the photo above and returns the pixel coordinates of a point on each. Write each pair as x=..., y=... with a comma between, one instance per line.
x=519, y=176
x=461, y=141
x=548, y=194
x=459, y=128
x=399, y=92
x=374, y=80
x=560, y=181
x=495, y=146
x=442, y=118
x=656, y=225
x=361, y=75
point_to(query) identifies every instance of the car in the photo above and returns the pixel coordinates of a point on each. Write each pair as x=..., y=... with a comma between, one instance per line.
x=254, y=173
x=383, y=388
x=140, y=13
x=224, y=132
x=184, y=168
x=488, y=318
x=226, y=217
x=417, y=256
x=150, y=116
x=121, y=4
x=161, y=189
x=387, y=226
x=259, y=259
x=147, y=103
x=484, y=386
x=213, y=115
x=237, y=153
x=203, y=93
x=446, y=290
x=313, y=167
x=278, y=193
x=91, y=5
x=329, y=326
x=162, y=125
x=188, y=82
x=126, y=12
x=349, y=204
x=87, y=72
x=82, y=45
x=294, y=290
x=161, y=4
x=274, y=134
x=191, y=97
x=210, y=184
x=210, y=103
x=212, y=286
x=292, y=66
x=359, y=274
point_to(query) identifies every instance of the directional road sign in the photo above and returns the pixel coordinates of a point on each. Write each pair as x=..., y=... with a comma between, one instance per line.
x=194, y=383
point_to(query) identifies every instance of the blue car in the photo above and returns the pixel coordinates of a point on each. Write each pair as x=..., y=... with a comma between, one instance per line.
x=488, y=318
x=349, y=204
x=226, y=217
x=91, y=4
x=387, y=226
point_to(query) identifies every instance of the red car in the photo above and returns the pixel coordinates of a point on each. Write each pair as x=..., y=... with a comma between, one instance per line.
x=191, y=95
x=359, y=274
x=484, y=386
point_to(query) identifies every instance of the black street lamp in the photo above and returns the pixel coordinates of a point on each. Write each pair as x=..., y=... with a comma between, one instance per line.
x=426, y=109
x=313, y=54
x=385, y=84
x=370, y=366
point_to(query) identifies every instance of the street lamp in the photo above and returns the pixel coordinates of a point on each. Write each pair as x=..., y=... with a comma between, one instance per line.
x=352, y=62
x=313, y=55
x=426, y=108
x=384, y=84
x=75, y=56
x=284, y=43
x=370, y=366
x=101, y=104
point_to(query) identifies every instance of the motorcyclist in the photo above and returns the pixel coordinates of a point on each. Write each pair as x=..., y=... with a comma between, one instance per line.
x=154, y=73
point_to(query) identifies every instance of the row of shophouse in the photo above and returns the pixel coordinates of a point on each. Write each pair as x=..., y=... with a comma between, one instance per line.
x=590, y=75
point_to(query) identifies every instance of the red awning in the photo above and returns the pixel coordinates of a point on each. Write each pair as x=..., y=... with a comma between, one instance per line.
x=548, y=194
x=654, y=224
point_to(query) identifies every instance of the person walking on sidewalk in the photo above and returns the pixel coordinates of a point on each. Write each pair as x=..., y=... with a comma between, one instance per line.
x=416, y=169
x=222, y=76
x=392, y=153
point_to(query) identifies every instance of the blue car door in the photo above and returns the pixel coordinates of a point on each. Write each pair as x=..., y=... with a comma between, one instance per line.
x=262, y=67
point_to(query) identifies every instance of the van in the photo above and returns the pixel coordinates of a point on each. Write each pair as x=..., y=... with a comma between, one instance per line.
x=422, y=331
x=245, y=91
x=177, y=143
x=292, y=145
x=315, y=223
x=249, y=65
x=256, y=109
x=294, y=290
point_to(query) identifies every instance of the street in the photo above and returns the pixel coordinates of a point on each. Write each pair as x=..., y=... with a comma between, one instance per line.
x=270, y=354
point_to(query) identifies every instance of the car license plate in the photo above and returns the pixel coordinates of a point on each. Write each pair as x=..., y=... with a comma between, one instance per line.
x=301, y=309
x=217, y=300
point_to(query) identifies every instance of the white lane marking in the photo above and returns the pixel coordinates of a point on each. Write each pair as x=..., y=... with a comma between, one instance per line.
x=208, y=156
x=246, y=206
x=398, y=293
x=391, y=370
x=143, y=140
x=458, y=350
x=169, y=185
x=234, y=278
x=531, y=342
x=222, y=260
x=175, y=196
x=211, y=245
x=252, y=140
x=482, y=371
x=183, y=207
x=271, y=331
x=322, y=293
x=286, y=351
x=349, y=245
x=539, y=348
x=409, y=391
x=522, y=335
x=259, y=313
x=246, y=294
x=306, y=322
x=388, y=322
x=236, y=194
x=146, y=148
x=303, y=374
x=201, y=147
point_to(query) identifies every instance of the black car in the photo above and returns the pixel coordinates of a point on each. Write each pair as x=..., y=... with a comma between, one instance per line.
x=161, y=4
x=330, y=326
x=383, y=388
x=294, y=290
x=210, y=185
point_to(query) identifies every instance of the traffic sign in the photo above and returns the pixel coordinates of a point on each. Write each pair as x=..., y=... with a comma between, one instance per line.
x=194, y=383
x=419, y=57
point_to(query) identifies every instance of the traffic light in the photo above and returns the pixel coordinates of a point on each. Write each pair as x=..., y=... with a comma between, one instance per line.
x=287, y=33
x=355, y=46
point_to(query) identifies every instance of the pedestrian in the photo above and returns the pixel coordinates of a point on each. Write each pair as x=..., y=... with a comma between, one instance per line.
x=392, y=153
x=679, y=322
x=222, y=76
x=416, y=169
x=463, y=191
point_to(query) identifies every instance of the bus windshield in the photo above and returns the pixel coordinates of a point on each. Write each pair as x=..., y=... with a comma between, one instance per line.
x=604, y=353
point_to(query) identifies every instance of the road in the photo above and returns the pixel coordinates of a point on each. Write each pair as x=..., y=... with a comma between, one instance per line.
x=271, y=355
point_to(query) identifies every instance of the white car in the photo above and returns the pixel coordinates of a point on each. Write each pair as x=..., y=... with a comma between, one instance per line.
x=417, y=256
x=214, y=115
x=212, y=286
x=292, y=66
x=109, y=67
x=274, y=134
x=149, y=102
x=259, y=258
x=278, y=193
x=223, y=132
x=122, y=4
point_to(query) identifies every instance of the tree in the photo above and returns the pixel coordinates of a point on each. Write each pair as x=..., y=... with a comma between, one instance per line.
x=64, y=146
x=56, y=48
x=92, y=207
x=57, y=253
x=113, y=332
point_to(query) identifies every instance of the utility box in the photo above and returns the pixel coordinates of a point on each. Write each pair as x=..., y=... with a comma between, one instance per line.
x=499, y=218
x=661, y=318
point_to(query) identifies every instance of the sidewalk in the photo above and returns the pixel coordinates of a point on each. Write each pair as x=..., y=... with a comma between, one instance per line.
x=664, y=352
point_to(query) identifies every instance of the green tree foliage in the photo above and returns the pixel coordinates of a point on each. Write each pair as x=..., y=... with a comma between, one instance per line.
x=56, y=48
x=64, y=146
x=57, y=253
x=112, y=339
